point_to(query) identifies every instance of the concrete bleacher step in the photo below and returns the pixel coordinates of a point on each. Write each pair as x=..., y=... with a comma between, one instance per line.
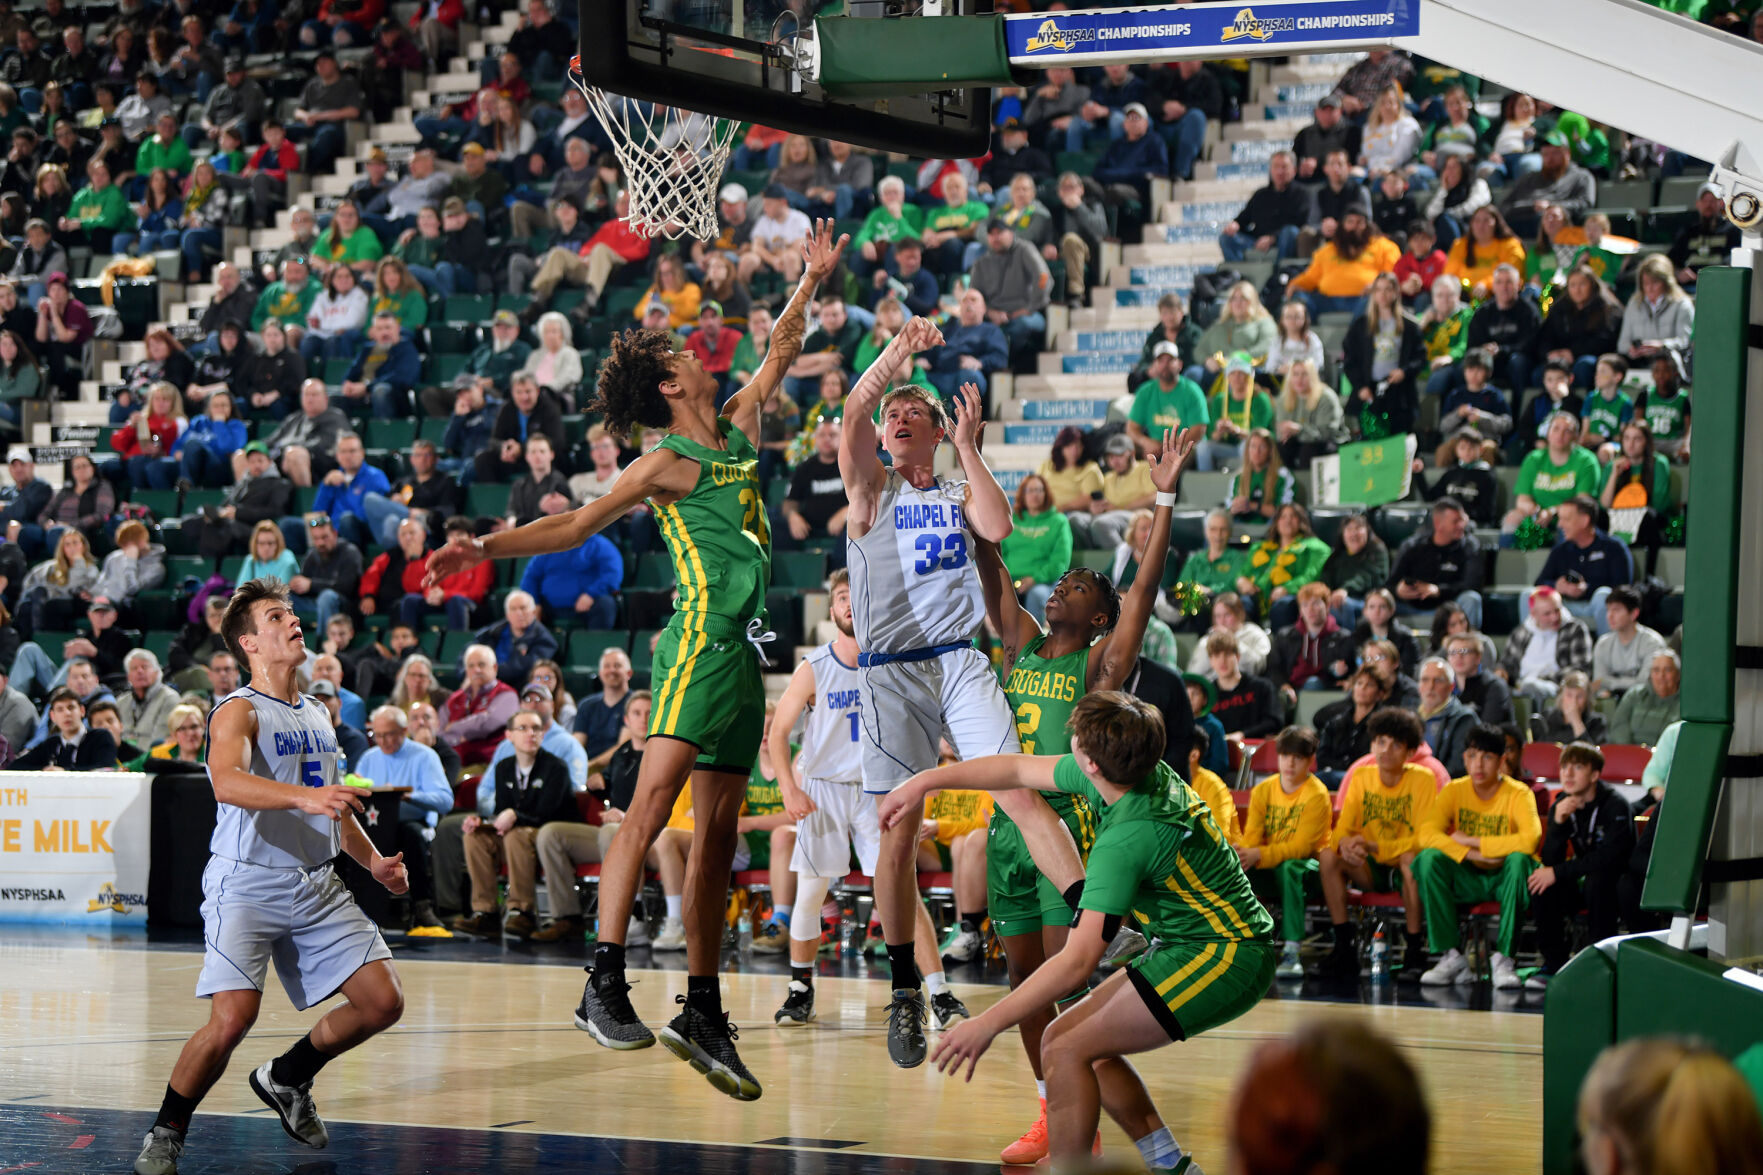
x=1116, y=362
x=1264, y=130
x=1107, y=317
x=1057, y=386
x=1155, y=251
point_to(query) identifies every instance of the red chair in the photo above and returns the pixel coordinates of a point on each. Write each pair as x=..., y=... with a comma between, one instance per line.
x=1240, y=797
x=1543, y=761
x=1265, y=759
x=1625, y=763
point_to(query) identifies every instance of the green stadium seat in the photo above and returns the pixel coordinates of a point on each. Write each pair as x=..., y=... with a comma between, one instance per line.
x=654, y=570
x=443, y=368
x=159, y=642
x=514, y=302
x=1661, y=225
x=486, y=501
x=195, y=500
x=472, y=308
x=304, y=497
x=798, y=569
x=393, y=435
x=1082, y=162
x=231, y=566
x=452, y=338
x=160, y=503
x=433, y=428
x=161, y=608
x=178, y=539
x=181, y=567
x=621, y=305
x=1096, y=559
x=641, y=658
x=452, y=647
x=335, y=370
x=586, y=645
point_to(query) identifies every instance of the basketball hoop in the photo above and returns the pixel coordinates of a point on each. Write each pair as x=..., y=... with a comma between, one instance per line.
x=672, y=160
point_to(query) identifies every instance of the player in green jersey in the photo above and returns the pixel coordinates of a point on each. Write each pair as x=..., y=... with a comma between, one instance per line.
x=1091, y=643
x=1159, y=856
x=702, y=483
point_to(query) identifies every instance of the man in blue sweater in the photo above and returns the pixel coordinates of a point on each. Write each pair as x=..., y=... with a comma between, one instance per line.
x=385, y=371
x=582, y=582
x=972, y=348
x=397, y=761
x=341, y=493
x=1585, y=564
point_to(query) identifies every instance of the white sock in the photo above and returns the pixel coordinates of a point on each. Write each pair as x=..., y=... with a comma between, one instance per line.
x=1159, y=1149
x=674, y=902
x=935, y=984
x=1041, y=1089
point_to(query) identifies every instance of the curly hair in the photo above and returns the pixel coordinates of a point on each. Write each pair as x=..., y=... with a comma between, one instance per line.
x=630, y=380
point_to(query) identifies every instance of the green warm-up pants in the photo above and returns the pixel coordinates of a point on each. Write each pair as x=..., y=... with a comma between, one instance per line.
x=1293, y=884
x=1446, y=884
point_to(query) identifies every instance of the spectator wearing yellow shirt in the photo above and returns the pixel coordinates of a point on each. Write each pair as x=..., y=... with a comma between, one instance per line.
x=1126, y=489
x=1489, y=244
x=1070, y=475
x=1376, y=837
x=953, y=837
x=1211, y=787
x=1287, y=826
x=681, y=297
x=1478, y=844
x=1342, y=270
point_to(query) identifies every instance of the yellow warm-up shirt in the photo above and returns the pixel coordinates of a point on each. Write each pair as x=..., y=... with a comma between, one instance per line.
x=681, y=816
x=1224, y=805
x=1507, y=822
x=1287, y=826
x=958, y=813
x=1389, y=815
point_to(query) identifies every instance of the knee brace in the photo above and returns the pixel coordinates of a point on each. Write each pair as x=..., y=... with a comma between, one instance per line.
x=805, y=917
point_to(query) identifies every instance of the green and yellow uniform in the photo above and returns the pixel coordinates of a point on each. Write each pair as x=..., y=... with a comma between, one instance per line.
x=1289, y=828
x=1390, y=816
x=1161, y=857
x=764, y=798
x=711, y=692
x=1041, y=692
x=1510, y=831
x=957, y=812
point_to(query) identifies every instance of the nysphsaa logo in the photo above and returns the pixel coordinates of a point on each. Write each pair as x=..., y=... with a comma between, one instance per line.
x=1051, y=37
x=117, y=903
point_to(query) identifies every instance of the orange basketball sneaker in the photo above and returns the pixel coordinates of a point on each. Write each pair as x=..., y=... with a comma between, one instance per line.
x=1031, y=1148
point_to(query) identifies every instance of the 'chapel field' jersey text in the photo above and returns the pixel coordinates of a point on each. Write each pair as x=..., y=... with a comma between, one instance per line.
x=913, y=585
x=297, y=745
x=831, y=733
x=717, y=533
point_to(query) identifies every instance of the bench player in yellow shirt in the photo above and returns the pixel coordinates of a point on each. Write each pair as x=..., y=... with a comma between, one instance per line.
x=1287, y=826
x=1478, y=844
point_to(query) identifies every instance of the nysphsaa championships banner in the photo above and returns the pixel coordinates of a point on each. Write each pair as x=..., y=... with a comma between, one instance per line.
x=74, y=847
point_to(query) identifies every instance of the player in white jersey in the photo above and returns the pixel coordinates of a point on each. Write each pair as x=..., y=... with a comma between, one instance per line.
x=916, y=605
x=823, y=792
x=270, y=892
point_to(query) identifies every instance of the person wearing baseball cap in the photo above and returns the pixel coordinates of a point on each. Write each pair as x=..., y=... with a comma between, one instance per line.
x=329, y=101
x=714, y=343
x=1126, y=489
x=30, y=500
x=1134, y=156
x=1167, y=399
x=1709, y=239
x=1012, y=155
x=1233, y=411
x=468, y=243
x=1558, y=181
x=237, y=101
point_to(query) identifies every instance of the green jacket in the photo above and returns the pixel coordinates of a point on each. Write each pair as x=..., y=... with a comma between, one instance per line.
x=173, y=157
x=1448, y=336
x=1291, y=568
x=411, y=308
x=1215, y=575
x=944, y=219
x=882, y=225
x=1038, y=546
x=286, y=306
x=107, y=209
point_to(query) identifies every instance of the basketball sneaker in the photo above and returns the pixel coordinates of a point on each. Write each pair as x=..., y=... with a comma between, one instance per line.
x=1505, y=972
x=906, y=1014
x=963, y=944
x=945, y=1009
x=160, y=1152
x=1451, y=969
x=606, y=1014
x=293, y=1104
x=1290, y=966
x=707, y=1044
x=1031, y=1148
x=1128, y=945
x=672, y=936
x=798, y=1005
x=772, y=939
x=636, y=932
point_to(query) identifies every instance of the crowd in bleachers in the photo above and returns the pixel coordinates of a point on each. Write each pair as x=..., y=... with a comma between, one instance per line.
x=415, y=359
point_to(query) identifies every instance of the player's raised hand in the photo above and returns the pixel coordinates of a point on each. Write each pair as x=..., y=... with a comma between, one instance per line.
x=920, y=334
x=331, y=801
x=1167, y=463
x=966, y=1042
x=456, y=556
x=820, y=252
x=970, y=424
x=391, y=873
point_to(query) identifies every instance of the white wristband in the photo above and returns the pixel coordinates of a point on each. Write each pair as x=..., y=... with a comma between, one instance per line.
x=1166, y=500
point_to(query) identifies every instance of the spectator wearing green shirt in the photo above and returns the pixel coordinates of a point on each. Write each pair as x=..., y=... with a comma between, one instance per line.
x=400, y=295
x=1606, y=410
x=1636, y=464
x=1552, y=474
x=892, y=219
x=287, y=300
x=1232, y=411
x=1666, y=409
x=346, y=242
x=97, y=211
x=164, y=148
x=948, y=230
x=1263, y=484
x=1216, y=567
x=1037, y=551
x=1166, y=400
x=1288, y=558
x=1444, y=329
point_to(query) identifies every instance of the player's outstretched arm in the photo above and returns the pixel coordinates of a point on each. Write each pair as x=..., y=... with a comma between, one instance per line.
x=988, y=510
x=1052, y=981
x=1113, y=657
x=991, y=773
x=820, y=254
x=1014, y=624
x=797, y=697
x=230, y=735
x=652, y=473
x=859, y=466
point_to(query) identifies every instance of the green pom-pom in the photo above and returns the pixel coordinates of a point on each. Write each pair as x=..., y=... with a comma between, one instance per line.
x=1674, y=531
x=1373, y=426
x=1187, y=598
x=1533, y=536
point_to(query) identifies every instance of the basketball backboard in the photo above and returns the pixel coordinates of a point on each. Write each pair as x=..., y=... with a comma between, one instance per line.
x=735, y=59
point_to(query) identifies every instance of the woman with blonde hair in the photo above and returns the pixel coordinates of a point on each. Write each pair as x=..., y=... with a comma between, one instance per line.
x=268, y=557
x=51, y=197
x=397, y=292
x=555, y=364
x=203, y=220
x=1659, y=314
x=416, y=684
x=1392, y=136
x=186, y=736
x=1666, y=1106
x=1307, y=417
x=1244, y=326
x=795, y=167
x=56, y=590
x=144, y=442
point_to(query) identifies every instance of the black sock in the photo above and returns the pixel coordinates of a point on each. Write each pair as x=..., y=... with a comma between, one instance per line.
x=974, y=921
x=175, y=1111
x=608, y=961
x=802, y=974
x=704, y=993
x=1343, y=936
x=1075, y=893
x=299, y=1064
x=1416, y=939
x=904, y=967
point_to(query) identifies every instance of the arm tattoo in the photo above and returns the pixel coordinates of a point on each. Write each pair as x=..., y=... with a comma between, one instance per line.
x=786, y=335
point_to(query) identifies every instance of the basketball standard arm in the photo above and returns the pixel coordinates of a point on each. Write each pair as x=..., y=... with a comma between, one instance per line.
x=820, y=254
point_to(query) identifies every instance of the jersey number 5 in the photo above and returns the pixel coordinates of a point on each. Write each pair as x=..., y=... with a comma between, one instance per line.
x=947, y=551
x=311, y=773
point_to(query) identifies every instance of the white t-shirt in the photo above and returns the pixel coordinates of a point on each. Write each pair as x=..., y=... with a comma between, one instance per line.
x=773, y=235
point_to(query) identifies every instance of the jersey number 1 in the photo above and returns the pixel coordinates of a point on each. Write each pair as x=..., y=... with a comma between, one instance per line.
x=947, y=551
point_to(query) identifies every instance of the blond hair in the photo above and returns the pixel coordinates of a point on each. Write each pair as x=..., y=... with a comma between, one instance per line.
x=1288, y=396
x=1672, y=1107
x=933, y=404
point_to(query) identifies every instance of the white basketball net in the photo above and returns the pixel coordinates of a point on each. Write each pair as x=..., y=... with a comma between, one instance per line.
x=672, y=161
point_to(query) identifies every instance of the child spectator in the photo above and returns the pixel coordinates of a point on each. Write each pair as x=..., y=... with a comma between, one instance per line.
x=1288, y=824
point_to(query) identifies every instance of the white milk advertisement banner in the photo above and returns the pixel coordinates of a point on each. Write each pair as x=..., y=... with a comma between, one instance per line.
x=74, y=847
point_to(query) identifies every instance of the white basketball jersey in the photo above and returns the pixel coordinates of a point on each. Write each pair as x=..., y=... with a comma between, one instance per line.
x=295, y=744
x=913, y=583
x=831, y=749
